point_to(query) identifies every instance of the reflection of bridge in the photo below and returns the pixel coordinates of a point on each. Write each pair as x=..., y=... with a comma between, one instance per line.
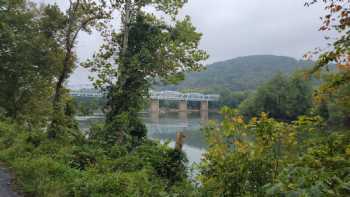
x=155, y=97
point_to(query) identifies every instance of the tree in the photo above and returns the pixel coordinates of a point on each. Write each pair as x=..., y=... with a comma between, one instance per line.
x=147, y=48
x=82, y=15
x=335, y=108
x=335, y=90
x=283, y=98
x=29, y=60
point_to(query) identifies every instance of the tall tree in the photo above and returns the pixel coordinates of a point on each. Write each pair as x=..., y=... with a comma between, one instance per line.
x=147, y=48
x=81, y=16
x=29, y=60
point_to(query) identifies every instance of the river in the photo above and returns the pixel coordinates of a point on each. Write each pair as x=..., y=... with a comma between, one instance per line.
x=164, y=126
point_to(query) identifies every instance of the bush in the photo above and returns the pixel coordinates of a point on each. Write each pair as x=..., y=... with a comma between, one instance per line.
x=264, y=157
x=140, y=183
x=43, y=176
x=62, y=168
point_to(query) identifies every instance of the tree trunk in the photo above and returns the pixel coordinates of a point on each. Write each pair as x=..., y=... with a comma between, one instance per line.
x=180, y=137
x=62, y=78
x=126, y=21
x=57, y=110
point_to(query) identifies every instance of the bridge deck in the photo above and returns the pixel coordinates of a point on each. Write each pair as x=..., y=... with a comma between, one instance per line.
x=178, y=96
x=162, y=95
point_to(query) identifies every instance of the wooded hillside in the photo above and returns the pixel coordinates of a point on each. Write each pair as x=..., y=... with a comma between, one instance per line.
x=239, y=74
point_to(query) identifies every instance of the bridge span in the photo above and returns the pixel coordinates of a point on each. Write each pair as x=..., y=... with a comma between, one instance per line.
x=156, y=96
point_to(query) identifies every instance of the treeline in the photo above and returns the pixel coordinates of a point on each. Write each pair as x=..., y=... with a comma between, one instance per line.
x=86, y=106
x=284, y=140
x=286, y=98
x=283, y=97
x=240, y=74
x=237, y=78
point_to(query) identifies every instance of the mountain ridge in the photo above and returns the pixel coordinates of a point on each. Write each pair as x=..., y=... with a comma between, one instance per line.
x=239, y=74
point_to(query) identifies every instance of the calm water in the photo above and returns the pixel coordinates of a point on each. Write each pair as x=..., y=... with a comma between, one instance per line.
x=164, y=126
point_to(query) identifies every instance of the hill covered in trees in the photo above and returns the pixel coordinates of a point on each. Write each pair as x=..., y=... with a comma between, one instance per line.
x=239, y=74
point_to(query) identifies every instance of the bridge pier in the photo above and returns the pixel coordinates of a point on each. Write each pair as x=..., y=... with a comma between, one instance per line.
x=183, y=106
x=204, y=106
x=154, y=107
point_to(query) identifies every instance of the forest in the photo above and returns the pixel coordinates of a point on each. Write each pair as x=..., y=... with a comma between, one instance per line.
x=285, y=133
x=240, y=74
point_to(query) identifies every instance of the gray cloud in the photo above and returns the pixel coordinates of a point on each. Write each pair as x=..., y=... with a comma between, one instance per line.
x=233, y=28
x=237, y=28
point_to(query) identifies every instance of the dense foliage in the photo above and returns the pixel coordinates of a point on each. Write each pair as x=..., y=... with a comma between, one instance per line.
x=147, y=48
x=69, y=168
x=265, y=157
x=235, y=79
x=86, y=106
x=286, y=145
x=40, y=139
x=283, y=98
x=309, y=156
x=240, y=74
x=333, y=96
x=29, y=58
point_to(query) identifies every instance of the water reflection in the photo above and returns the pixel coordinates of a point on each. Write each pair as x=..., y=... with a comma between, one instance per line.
x=163, y=126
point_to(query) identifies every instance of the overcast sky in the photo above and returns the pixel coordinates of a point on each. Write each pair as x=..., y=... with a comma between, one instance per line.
x=233, y=28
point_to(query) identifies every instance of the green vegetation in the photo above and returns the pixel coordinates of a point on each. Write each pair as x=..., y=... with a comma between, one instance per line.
x=86, y=168
x=25, y=77
x=265, y=157
x=88, y=106
x=283, y=98
x=240, y=74
x=291, y=141
x=40, y=139
x=307, y=156
x=147, y=48
x=237, y=78
x=334, y=106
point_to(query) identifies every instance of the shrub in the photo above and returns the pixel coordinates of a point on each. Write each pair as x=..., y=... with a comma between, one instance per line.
x=56, y=168
x=264, y=157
